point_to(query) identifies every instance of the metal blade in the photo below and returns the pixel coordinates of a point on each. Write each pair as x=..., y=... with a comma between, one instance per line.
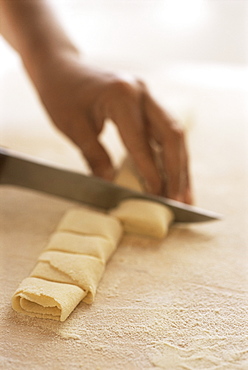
x=20, y=170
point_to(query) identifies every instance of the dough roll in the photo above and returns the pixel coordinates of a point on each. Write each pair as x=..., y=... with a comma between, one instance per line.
x=89, y=222
x=46, y=299
x=81, y=244
x=71, y=265
x=83, y=271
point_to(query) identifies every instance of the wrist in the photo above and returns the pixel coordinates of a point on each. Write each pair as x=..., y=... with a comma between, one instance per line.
x=43, y=61
x=33, y=30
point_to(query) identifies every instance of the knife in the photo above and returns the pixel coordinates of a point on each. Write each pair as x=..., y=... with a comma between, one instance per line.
x=21, y=170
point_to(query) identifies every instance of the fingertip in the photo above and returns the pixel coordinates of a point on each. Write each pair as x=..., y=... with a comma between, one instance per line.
x=100, y=165
x=178, y=198
x=185, y=197
x=106, y=172
x=189, y=197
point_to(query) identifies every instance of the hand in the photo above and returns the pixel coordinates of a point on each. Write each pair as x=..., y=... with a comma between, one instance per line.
x=79, y=98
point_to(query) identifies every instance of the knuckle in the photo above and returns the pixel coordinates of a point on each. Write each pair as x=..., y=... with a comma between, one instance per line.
x=177, y=131
x=174, y=134
x=127, y=85
x=122, y=86
x=137, y=144
x=142, y=85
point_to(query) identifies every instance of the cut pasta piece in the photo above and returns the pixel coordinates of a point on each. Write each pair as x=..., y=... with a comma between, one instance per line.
x=81, y=244
x=89, y=222
x=83, y=271
x=144, y=217
x=46, y=299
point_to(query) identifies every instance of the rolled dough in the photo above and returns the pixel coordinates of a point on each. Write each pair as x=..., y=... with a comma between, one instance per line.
x=46, y=299
x=80, y=244
x=89, y=222
x=71, y=265
x=83, y=271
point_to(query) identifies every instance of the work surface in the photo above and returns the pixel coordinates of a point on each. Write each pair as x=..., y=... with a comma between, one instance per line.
x=176, y=304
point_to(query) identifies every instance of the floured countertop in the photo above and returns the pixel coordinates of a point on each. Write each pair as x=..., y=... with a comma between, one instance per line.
x=177, y=304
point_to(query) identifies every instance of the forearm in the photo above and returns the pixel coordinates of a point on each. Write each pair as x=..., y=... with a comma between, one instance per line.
x=34, y=32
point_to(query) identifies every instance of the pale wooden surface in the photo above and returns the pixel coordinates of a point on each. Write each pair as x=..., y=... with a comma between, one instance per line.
x=176, y=304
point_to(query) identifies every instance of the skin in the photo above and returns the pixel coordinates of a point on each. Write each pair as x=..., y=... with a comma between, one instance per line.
x=79, y=97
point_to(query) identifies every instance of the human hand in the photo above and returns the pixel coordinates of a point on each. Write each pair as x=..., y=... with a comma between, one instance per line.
x=79, y=98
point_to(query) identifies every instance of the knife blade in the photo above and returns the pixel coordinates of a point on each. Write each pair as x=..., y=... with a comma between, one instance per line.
x=22, y=171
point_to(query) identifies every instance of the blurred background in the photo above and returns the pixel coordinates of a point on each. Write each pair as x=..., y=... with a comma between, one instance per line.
x=158, y=31
x=191, y=53
x=154, y=32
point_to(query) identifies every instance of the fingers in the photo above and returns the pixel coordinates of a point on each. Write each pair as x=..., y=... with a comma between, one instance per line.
x=173, y=154
x=86, y=139
x=128, y=116
x=140, y=120
x=140, y=151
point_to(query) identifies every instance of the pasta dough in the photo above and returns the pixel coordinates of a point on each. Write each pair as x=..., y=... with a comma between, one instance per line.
x=80, y=244
x=144, y=217
x=88, y=222
x=70, y=267
x=46, y=299
x=83, y=271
